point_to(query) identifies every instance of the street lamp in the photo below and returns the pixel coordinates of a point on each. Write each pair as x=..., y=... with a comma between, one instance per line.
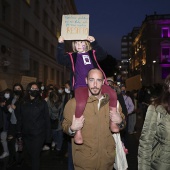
x=153, y=71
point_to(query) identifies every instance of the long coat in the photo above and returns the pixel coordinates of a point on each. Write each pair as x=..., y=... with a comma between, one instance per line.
x=154, y=144
x=98, y=148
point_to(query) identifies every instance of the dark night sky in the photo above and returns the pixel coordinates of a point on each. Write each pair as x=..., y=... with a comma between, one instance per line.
x=111, y=19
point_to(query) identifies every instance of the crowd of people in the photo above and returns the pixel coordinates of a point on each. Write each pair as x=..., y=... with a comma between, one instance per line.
x=31, y=121
x=85, y=112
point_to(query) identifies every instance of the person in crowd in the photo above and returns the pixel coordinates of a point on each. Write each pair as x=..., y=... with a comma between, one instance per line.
x=55, y=106
x=82, y=60
x=2, y=103
x=49, y=89
x=98, y=149
x=130, y=108
x=67, y=95
x=33, y=123
x=18, y=92
x=120, y=98
x=43, y=90
x=7, y=99
x=154, y=143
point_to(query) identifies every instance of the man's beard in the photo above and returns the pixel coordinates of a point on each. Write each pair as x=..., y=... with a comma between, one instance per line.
x=95, y=93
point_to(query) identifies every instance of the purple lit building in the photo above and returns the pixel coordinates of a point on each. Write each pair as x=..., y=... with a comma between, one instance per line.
x=150, y=50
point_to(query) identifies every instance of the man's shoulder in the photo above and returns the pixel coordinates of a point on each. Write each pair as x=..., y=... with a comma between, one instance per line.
x=71, y=101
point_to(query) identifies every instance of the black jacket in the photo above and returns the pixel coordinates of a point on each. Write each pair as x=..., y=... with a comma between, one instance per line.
x=33, y=118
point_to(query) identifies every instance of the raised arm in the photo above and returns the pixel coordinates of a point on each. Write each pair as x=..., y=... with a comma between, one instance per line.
x=62, y=58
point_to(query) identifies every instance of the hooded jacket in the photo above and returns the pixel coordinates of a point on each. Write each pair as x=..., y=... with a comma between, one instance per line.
x=98, y=149
x=154, y=143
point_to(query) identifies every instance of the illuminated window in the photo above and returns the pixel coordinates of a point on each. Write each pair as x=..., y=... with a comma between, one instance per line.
x=165, y=55
x=28, y=1
x=165, y=32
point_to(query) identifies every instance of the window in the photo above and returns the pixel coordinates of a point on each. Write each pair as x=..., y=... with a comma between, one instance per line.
x=124, y=43
x=45, y=44
x=37, y=7
x=6, y=12
x=52, y=74
x=26, y=28
x=58, y=14
x=36, y=37
x=58, y=77
x=45, y=18
x=52, y=6
x=165, y=72
x=35, y=69
x=28, y=1
x=58, y=33
x=52, y=50
x=52, y=27
x=165, y=32
x=165, y=55
x=45, y=74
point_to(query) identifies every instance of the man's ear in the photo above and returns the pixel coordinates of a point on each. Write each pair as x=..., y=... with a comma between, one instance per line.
x=103, y=82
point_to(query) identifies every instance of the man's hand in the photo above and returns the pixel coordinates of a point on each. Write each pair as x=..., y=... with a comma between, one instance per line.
x=115, y=117
x=77, y=123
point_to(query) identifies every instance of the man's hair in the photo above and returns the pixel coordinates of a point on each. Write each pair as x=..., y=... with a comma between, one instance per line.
x=93, y=69
x=88, y=46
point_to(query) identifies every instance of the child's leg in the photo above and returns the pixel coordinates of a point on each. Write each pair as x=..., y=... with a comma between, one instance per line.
x=112, y=103
x=81, y=96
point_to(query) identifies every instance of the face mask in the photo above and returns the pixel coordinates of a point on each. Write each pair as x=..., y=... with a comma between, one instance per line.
x=123, y=92
x=67, y=90
x=42, y=87
x=34, y=93
x=17, y=92
x=149, y=92
x=7, y=95
x=60, y=91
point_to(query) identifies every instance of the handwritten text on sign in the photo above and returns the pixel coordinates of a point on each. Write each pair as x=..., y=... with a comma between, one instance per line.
x=75, y=27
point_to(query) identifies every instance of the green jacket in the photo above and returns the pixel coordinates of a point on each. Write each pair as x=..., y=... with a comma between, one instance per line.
x=154, y=143
x=98, y=148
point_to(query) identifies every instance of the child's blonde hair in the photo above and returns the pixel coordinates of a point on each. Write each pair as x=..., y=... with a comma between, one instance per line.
x=88, y=46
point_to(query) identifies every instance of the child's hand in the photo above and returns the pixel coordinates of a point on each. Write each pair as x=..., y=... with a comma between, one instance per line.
x=91, y=39
x=115, y=117
x=60, y=39
x=77, y=123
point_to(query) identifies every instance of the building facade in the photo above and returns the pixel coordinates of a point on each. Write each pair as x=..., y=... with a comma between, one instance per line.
x=150, y=49
x=29, y=31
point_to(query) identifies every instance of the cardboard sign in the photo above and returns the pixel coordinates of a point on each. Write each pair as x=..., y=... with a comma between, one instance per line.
x=3, y=85
x=26, y=79
x=75, y=27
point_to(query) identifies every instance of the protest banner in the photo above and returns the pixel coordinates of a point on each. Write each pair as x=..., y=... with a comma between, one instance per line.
x=75, y=27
